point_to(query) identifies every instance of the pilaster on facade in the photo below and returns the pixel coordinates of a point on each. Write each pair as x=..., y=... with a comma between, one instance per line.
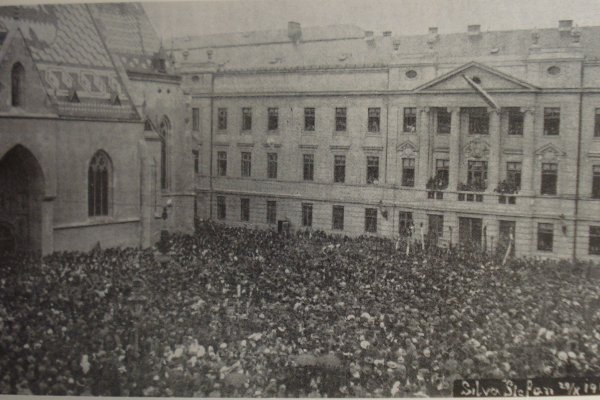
x=495, y=148
x=455, y=146
x=424, y=146
x=527, y=188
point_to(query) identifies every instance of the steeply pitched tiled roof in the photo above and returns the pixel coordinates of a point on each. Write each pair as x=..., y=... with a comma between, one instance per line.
x=71, y=57
x=128, y=33
x=58, y=34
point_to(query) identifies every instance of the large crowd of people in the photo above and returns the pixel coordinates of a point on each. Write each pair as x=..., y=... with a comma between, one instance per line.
x=252, y=313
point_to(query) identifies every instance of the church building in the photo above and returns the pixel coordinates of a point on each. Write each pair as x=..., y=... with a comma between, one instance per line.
x=92, y=130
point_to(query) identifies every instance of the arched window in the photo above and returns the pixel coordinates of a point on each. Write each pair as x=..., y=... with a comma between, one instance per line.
x=17, y=84
x=99, y=176
x=163, y=132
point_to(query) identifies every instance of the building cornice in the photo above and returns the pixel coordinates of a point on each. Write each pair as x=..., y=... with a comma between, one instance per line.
x=153, y=76
x=384, y=92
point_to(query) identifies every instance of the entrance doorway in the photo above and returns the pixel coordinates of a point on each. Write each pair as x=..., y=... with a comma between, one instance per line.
x=470, y=231
x=21, y=181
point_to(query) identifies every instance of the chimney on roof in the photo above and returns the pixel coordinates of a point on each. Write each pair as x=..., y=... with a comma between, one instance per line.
x=209, y=54
x=387, y=33
x=565, y=26
x=474, y=30
x=433, y=36
x=396, y=44
x=369, y=38
x=294, y=31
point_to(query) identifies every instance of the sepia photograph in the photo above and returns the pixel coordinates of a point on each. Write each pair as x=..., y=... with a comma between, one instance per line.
x=300, y=198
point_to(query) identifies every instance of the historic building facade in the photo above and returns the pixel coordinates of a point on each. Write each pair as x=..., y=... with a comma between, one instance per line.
x=472, y=137
x=91, y=127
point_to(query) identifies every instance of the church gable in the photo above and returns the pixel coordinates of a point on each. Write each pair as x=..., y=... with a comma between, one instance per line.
x=487, y=78
x=21, y=87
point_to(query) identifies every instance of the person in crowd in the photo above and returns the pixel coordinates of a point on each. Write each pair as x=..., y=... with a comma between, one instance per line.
x=251, y=313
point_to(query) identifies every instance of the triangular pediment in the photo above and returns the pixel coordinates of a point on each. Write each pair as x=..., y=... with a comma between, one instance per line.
x=549, y=152
x=407, y=148
x=486, y=77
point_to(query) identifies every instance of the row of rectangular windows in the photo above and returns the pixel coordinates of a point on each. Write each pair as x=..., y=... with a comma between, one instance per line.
x=337, y=222
x=545, y=231
x=478, y=120
x=477, y=172
x=373, y=122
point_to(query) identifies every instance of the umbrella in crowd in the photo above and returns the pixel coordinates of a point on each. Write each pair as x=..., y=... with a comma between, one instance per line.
x=250, y=313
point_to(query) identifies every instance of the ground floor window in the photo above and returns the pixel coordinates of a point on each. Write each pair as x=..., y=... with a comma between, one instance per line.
x=371, y=220
x=307, y=214
x=506, y=237
x=271, y=212
x=594, y=240
x=545, y=239
x=405, y=222
x=221, y=207
x=436, y=227
x=470, y=231
x=338, y=218
x=245, y=210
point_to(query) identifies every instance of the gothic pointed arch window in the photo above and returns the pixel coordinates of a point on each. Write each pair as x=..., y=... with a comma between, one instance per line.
x=99, y=184
x=17, y=77
x=163, y=132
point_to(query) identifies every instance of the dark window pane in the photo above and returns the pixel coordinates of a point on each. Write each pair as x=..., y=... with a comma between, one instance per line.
x=338, y=218
x=246, y=119
x=444, y=119
x=371, y=220
x=594, y=245
x=408, y=172
x=308, y=167
x=405, y=223
x=515, y=121
x=410, y=120
x=549, y=178
x=339, y=169
x=222, y=119
x=340, y=119
x=479, y=121
x=372, y=169
x=271, y=212
x=545, y=237
x=551, y=121
x=273, y=123
x=309, y=119
x=374, y=115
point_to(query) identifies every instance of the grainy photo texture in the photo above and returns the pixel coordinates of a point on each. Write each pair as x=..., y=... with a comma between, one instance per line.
x=300, y=199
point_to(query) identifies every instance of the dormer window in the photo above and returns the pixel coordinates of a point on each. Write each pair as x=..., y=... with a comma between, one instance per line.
x=17, y=84
x=73, y=96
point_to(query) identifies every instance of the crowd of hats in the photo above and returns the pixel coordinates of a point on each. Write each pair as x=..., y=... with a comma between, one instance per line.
x=239, y=312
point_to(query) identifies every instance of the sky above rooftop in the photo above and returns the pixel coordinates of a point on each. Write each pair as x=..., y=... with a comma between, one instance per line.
x=402, y=17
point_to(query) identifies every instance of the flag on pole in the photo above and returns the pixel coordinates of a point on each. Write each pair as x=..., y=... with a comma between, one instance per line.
x=484, y=95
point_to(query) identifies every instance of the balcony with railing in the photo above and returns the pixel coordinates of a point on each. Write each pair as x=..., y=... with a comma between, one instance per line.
x=472, y=190
x=507, y=192
x=435, y=187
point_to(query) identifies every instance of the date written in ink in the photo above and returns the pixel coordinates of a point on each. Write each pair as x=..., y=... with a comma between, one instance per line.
x=576, y=386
